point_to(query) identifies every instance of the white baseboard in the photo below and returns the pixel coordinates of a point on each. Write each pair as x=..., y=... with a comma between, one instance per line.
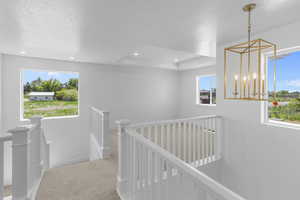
x=75, y=160
x=36, y=187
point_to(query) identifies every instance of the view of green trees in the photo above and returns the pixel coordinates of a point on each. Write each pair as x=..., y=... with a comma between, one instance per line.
x=288, y=108
x=65, y=98
x=53, y=85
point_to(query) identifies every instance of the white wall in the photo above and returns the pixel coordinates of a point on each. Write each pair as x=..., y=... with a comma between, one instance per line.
x=212, y=170
x=135, y=93
x=260, y=162
x=187, y=91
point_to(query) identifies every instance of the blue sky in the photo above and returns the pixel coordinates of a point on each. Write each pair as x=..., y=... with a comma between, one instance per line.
x=207, y=82
x=288, y=73
x=30, y=75
x=287, y=70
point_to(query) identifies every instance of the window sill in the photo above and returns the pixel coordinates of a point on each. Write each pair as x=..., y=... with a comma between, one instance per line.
x=209, y=105
x=58, y=117
x=282, y=124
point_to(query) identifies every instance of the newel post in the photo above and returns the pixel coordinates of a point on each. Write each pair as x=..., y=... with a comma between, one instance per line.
x=106, y=140
x=35, y=151
x=20, y=162
x=123, y=157
x=36, y=120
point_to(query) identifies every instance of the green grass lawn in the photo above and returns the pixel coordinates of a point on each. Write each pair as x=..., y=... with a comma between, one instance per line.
x=50, y=108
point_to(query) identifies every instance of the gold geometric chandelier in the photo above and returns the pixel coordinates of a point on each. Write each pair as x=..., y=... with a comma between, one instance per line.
x=245, y=67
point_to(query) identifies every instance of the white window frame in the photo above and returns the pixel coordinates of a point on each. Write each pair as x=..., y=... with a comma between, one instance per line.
x=264, y=105
x=198, y=93
x=22, y=93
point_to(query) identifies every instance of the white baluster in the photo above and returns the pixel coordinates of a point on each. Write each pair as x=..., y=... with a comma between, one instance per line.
x=163, y=179
x=198, y=142
x=142, y=131
x=123, y=157
x=207, y=141
x=162, y=136
x=139, y=169
x=168, y=180
x=147, y=177
x=2, y=153
x=213, y=137
x=209, y=138
x=129, y=166
x=184, y=142
x=1, y=168
x=151, y=175
x=149, y=181
x=190, y=131
x=99, y=129
x=149, y=133
x=144, y=171
x=106, y=136
x=174, y=150
x=134, y=168
x=168, y=138
x=20, y=163
x=203, y=140
x=156, y=134
x=219, y=136
x=160, y=177
x=3, y=140
x=194, y=142
x=179, y=139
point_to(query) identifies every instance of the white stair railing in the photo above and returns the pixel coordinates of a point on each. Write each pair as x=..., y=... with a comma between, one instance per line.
x=195, y=140
x=100, y=136
x=30, y=157
x=151, y=169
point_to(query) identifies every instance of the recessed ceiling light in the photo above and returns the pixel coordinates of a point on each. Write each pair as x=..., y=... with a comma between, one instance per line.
x=71, y=58
x=176, y=60
x=22, y=52
x=136, y=54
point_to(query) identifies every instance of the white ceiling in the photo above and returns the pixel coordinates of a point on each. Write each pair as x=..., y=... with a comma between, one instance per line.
x=160, y=31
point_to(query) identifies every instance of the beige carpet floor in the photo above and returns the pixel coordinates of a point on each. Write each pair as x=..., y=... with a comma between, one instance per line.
x=84, y=181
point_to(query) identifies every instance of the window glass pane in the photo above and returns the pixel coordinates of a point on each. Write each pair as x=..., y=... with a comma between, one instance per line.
x=207, y=89
x=214, y=95
x=288, y=88
x=49, y=94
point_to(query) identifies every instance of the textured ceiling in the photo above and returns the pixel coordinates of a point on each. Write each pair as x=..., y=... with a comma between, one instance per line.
x=156, y=33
